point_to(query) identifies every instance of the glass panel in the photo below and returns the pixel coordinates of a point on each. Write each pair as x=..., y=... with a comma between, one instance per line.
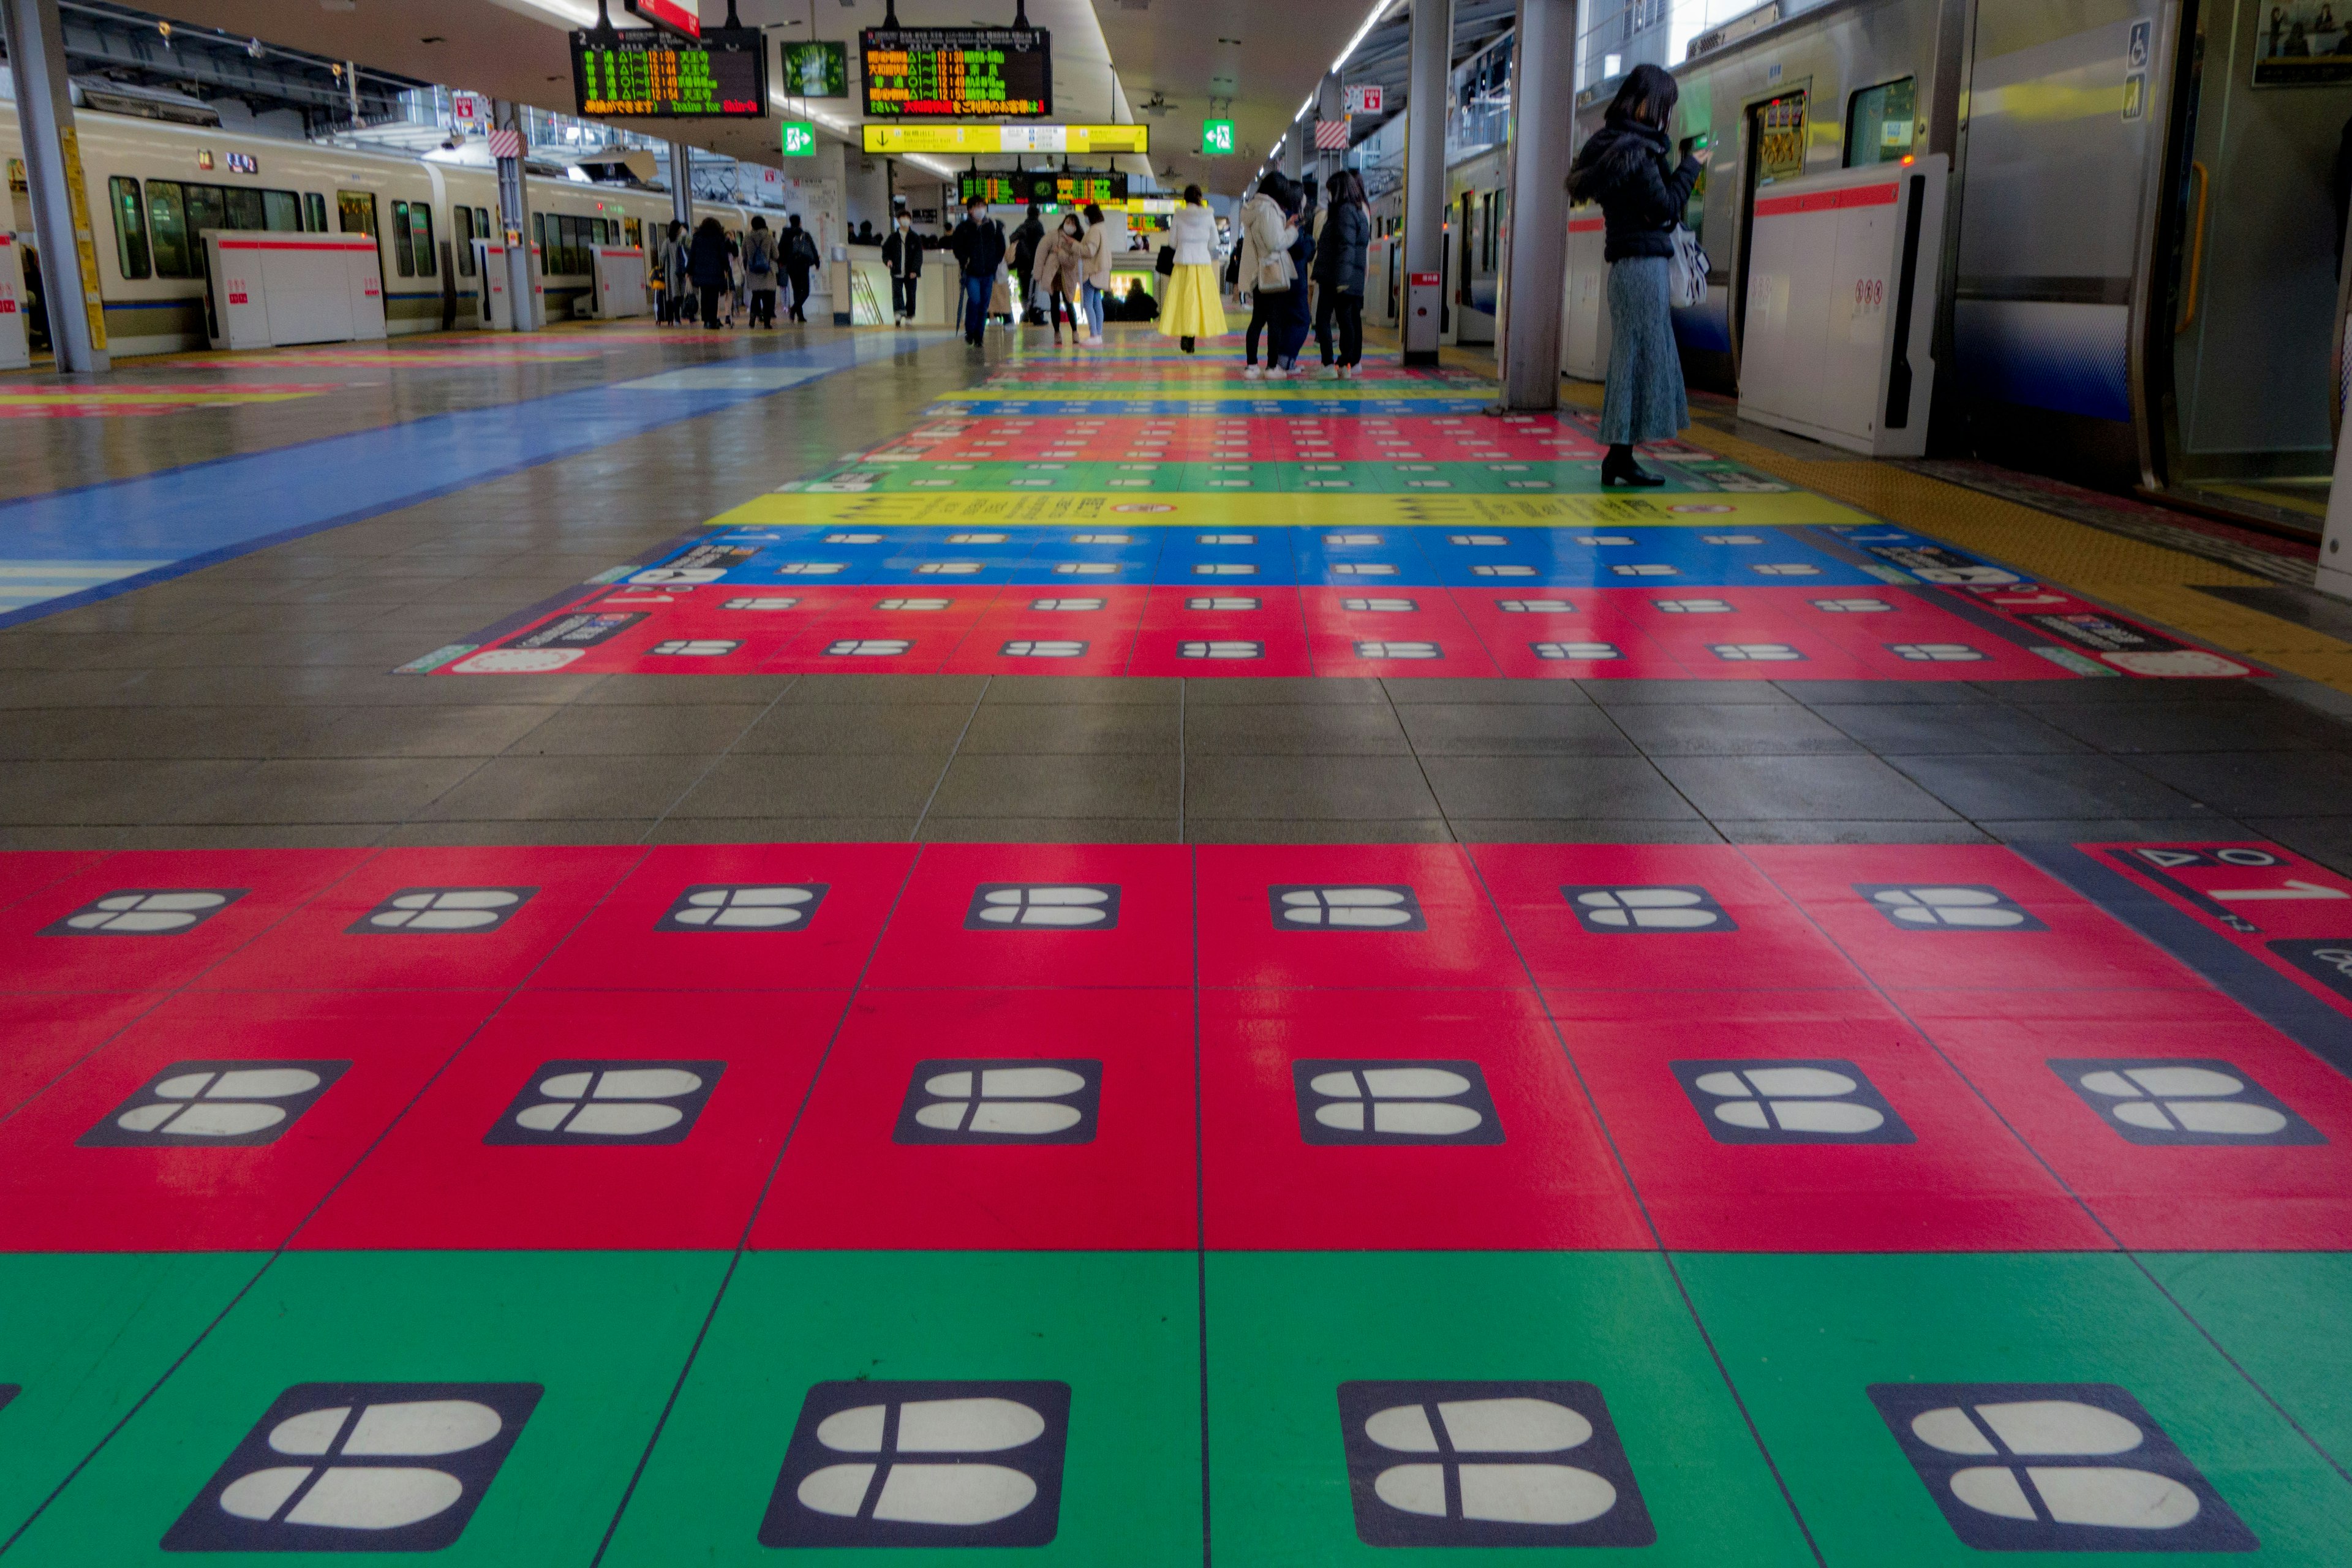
x=167, y=221
x=314, y=212
x=464, y=218
x=1780, y=141
x=356, y=211
x=401, y=257
x=482, y=223
x=420, y=223
x=539, y=239
x=1882, y=124
x=207, y=209
x=636, y=230
x=282, y=210
x=244, y=207
x=129, y=227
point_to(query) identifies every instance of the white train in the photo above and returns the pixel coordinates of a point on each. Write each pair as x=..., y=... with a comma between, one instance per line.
x=154, y=186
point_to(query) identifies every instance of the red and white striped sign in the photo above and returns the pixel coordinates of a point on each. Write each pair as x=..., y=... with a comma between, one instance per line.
x=505, y=143
x=1330, y=136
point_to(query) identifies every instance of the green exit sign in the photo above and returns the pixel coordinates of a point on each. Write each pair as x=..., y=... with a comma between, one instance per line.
x=1217, y=137
x=800, y=138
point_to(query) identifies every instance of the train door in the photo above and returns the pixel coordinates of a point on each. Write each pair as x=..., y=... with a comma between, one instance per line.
x=2254, y=239
x=1773, y=149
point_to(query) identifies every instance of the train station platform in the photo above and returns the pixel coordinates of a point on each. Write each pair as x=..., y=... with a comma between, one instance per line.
x=647, y=946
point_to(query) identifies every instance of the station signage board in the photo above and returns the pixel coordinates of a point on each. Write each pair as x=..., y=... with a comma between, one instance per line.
x=978, y=139
x=682, y=18
x=1217, y=138
x=816, y=69
x=800, y=138
x=722, y=76
x=1365, y=97
x=950, y=73
x=1014, y=188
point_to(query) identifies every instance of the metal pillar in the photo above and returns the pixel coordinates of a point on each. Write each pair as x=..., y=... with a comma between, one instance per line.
x=1535, y=232
x=1432, y=57
x=61, y=217
x=1293, y=149
x=1330, y=103
x=514, y=216
x=681, y=184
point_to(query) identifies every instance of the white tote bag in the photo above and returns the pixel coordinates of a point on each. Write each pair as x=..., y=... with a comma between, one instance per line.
x=1688, y=274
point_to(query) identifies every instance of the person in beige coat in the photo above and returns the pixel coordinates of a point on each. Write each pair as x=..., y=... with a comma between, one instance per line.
x=1094, y=250
x=1061, y=268
x=1269, y=223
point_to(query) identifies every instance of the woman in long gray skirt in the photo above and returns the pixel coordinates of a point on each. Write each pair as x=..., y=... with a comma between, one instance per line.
x=1625, y=168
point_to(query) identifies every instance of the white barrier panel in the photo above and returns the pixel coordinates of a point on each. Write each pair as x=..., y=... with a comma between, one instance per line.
x=267, y=291
x=1841, y=274
x=620, y=273
x=490, y=266
x=16, y=348
x=1584, y=334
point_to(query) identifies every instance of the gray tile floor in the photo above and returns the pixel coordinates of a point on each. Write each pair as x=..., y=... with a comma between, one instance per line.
x=252, y=704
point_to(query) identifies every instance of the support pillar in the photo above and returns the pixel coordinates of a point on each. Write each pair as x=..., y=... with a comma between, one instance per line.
x=514, y=217
x=1293, y=149
x=1330, y=103
x=62, y=216
x=1534, y=230
x=1430, y=54
x=681, y=184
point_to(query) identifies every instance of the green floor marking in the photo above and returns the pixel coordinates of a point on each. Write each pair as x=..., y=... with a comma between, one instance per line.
x=2287, y=1318
x=1803, y=1337
x=1286, y=1330
x=82, y=1337
x=1121, y=1329
x=605, y=1332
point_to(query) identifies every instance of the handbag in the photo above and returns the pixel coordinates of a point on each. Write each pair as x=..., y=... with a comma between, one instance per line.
x=1165, y=264
x=1686, y=285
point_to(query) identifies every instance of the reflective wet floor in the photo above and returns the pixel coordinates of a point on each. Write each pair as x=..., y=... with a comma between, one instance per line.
x=1744, y=1025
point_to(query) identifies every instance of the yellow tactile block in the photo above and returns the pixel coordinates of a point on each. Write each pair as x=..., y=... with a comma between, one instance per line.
x=1162, y=509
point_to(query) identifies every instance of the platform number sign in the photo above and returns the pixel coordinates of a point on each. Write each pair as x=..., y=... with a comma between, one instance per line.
x=2055, y=1466
x=1217, y=138
x=1488, y=1464
x=359, y=1467
x=800, y=138
x=922, y=1464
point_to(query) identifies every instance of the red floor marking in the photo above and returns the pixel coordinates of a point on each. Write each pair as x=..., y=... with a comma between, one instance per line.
x=1240, y=945
x=1765, y=942
x=2289, y=912
x=1551, y=1183
x=932, y=942
x=2078, y=946
x=628, y=944
x=2195, y=1197
x=269, y=884
x=49, y=1032
x=1964, y=1184
x=24, y=872
x=56, y=1195
x=849, y=1181
x=435, y=1183
x=319, y=948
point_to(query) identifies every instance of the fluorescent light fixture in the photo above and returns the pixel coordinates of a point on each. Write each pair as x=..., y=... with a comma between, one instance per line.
x=1380, y=8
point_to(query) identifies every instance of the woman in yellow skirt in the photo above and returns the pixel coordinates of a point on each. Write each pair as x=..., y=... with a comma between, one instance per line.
x=1192, y=309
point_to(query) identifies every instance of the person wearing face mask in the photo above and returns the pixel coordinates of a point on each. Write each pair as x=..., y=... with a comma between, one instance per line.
x=902, y=253
x=1059, y=268
x=1094, y=248
x=979, y=246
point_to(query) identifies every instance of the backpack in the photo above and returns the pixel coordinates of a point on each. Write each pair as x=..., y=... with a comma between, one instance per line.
x=803, y=248
x=760, y=251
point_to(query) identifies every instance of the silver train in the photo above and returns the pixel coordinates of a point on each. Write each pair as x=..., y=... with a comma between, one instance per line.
x=154, y=186
x=2139, y=266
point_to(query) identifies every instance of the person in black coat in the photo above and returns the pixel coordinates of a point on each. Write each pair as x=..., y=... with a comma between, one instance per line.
x=979, y=246
x=707, y=264
x=902, y=253
x=1626, y=166
x=1026, y=240
x=800, y=259
x=1339, y=272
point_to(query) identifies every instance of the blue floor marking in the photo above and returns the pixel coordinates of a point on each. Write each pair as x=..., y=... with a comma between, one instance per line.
x=200, y=514
x=2255, y=986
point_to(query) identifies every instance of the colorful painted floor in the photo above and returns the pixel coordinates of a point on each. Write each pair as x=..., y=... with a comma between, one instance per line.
x=1130, y=1203
x=1207, y=974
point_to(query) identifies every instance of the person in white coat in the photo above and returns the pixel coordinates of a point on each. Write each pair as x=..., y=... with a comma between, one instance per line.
x=1192, y=309
x=1269, y=223
x=1094, y=258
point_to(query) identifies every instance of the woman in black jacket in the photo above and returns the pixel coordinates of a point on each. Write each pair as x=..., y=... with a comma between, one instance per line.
x=1624, y=168
x=1339, y=272
x=708, y=263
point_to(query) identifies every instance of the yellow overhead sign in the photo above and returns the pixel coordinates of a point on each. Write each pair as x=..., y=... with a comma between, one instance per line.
x=975, y=139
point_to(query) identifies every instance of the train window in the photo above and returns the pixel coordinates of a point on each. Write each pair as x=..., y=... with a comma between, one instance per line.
x=129, y=227
x=314, y=212
x=167, y=226
x=1778, y=125
x=282, y=210
x=420, y=228
x=243, y=208
x=634, y=228
x=539, y=242
x=356, y=211
x=463, y=220
x=482, y=223
x=207, y=208
x=1882, y=123
x=401, y=257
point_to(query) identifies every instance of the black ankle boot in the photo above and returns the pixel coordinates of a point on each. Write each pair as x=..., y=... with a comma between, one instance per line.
x=1620, y=468
x=1184, y=343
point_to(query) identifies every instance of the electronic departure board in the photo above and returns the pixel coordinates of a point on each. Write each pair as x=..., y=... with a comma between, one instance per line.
x=1019, y=188
x=935, y=73
x=724, y=77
